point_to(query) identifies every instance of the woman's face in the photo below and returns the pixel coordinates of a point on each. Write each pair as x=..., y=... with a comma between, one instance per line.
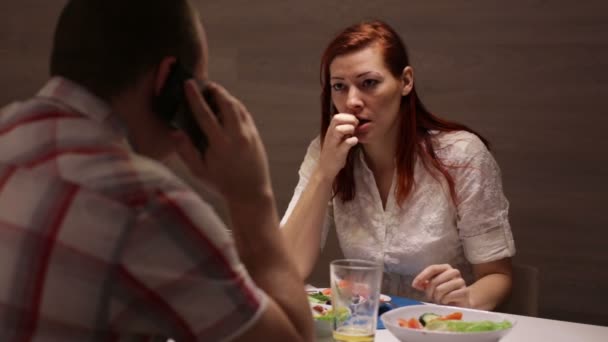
x=362, y=85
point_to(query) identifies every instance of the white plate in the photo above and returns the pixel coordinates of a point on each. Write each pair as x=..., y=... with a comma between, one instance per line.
x=384, y=298
x=390, y=318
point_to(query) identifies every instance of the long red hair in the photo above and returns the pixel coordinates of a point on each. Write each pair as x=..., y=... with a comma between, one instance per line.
x=414, y=138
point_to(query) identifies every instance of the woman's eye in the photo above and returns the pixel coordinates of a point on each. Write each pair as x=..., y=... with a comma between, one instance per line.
x=369, y=83
x=337, y=86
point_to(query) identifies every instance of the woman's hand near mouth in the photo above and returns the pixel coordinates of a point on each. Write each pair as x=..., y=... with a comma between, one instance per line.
x=339, y=139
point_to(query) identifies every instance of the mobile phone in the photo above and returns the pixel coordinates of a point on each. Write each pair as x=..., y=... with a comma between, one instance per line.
x=172, y=105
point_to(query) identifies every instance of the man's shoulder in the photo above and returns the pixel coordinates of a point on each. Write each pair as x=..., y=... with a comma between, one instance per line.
x=125, y=176
x=61, y=145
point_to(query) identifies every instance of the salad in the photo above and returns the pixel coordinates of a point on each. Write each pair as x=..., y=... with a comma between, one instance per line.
x=322, y=312
x=452, y=322
x=320, y=305
x=324, y=296
x=320, y=297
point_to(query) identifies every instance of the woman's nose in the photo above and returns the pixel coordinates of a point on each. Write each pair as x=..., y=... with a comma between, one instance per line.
x=353, y=101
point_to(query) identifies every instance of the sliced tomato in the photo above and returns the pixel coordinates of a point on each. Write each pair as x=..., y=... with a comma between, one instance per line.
x=344, y=283
x=326, y=292
x=411, y=323
x=453, y=316
x=402, y=322
x=414, y=324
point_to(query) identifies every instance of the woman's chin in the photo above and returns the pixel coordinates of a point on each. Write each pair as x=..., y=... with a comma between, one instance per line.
x=363, y=138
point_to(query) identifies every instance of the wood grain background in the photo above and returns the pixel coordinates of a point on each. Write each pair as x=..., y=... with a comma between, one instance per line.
x=532, y=76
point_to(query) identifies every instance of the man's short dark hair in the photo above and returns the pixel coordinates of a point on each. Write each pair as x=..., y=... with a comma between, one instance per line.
x=106, y=45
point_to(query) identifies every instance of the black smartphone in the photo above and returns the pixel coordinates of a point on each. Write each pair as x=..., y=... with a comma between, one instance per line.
x=172, y=105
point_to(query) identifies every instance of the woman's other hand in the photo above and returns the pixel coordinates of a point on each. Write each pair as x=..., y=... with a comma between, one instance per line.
x=444, y=285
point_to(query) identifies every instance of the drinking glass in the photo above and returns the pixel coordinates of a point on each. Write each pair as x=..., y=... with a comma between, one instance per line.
x=355, y=294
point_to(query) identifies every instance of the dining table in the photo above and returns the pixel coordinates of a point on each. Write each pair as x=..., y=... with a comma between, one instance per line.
x=526, y=329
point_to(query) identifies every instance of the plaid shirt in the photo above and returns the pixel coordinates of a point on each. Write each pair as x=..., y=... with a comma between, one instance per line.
x=98, y=243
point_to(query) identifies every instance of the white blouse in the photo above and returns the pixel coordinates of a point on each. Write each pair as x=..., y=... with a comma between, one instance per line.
x=428, y=228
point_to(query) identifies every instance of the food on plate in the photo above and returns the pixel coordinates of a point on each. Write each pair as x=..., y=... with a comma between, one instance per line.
x=464, y=326
x=427, y=317
x=452, y=322
x=409, y=323
x=321, y=312
x=327, y=292
x=319, y=298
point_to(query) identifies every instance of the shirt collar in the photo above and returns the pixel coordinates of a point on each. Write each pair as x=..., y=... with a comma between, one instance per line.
x=75, y=96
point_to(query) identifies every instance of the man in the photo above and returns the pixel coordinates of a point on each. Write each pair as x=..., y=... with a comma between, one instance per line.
x=98, y=241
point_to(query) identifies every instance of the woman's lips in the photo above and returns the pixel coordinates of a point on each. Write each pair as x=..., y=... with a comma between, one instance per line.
x=363, y=127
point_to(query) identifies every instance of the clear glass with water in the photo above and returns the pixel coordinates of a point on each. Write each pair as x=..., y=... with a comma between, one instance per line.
x=355, y=294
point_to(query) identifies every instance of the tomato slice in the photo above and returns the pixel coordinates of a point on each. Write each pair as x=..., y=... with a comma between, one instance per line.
x=411, y=323
x=344, y=284
x=453, y=316
x=414, y=324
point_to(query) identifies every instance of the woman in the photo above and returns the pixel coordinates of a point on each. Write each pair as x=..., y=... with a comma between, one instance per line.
x=419, y=194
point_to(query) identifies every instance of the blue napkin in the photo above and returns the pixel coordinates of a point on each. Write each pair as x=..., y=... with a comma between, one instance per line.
x=396, y=302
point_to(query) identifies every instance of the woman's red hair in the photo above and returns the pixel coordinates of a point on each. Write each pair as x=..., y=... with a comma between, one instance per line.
x=414, y=138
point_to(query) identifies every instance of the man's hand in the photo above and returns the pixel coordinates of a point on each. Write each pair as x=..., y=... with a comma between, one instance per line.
x=235, y=160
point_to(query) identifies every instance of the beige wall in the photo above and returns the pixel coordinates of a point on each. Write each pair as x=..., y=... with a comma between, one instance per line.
x=530, y=75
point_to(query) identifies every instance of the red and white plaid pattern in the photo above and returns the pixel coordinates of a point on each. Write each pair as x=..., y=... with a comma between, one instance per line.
x=98, y=243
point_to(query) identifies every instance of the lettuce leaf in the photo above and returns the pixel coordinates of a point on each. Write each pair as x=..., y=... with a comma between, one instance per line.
x=464, y=326
x=318, y=298
x=341, y=316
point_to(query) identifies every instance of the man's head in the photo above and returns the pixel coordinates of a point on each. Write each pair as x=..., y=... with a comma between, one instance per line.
x=122, y=52
x=107, y=45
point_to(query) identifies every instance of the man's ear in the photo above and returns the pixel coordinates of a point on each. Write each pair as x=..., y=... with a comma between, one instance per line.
x=163, y=72
x=408, y=80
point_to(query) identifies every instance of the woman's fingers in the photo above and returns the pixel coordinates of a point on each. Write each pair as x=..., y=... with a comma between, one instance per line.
x=339, y=139
x=342, y=126
x=438, y=281
x=344, y=118
x=423, y=279
x=345, y=129
x=350, y=142
x=445, y=288
x=458, y=297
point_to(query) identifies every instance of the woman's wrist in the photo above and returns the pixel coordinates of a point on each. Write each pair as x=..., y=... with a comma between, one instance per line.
x=322, y=177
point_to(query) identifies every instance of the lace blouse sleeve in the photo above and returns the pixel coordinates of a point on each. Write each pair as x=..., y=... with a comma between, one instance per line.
x=306, y=168
x=482, y=208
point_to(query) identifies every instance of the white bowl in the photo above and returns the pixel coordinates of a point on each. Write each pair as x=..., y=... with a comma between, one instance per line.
x=390, y=318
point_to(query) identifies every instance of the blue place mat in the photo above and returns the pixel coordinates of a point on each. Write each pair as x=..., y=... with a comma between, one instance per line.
x=396, y=302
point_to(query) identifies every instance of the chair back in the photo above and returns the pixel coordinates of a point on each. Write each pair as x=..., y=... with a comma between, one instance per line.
x=524, y=293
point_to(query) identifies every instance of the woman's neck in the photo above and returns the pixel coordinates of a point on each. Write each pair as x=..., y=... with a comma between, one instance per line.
x=380, y=157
